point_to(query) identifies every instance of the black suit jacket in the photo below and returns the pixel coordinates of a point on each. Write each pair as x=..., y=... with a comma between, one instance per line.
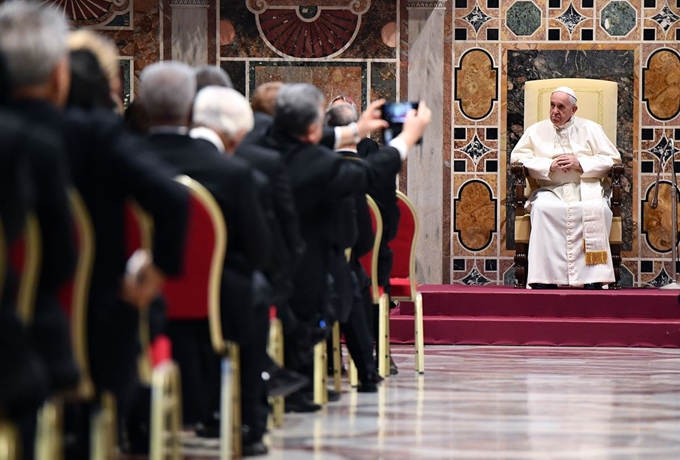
x=233, y=185
x=49, y=168
x=110, y=165
x=285, y=223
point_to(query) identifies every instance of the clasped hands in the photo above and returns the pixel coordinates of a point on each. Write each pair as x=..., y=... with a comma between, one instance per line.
x=566, y=163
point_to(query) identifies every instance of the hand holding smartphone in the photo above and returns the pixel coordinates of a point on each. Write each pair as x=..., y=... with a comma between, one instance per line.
x=395, y=114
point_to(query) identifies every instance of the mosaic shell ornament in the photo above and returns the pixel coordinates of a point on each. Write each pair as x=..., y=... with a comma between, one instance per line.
x=90, y=12
x=318, y=29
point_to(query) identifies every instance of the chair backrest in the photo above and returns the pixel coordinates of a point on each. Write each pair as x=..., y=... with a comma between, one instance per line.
x=138, y=228
x=597, y=101
x=196, y=293
x=403, y=245
x=25, y=256
x=138, y=231
x=370, y=260
x=74, y=296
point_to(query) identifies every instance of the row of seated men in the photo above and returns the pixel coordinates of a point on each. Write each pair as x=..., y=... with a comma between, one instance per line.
x=291, y=205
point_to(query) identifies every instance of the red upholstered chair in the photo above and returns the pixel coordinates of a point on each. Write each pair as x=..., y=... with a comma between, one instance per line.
x=196, y=295
x=403, y=275
x=164, y=377
x=370, y=263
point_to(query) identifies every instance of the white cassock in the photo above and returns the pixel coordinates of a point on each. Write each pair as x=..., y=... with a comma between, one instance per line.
x=570, y=215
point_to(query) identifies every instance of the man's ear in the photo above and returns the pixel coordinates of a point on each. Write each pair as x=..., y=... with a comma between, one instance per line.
x=575, y=109
x=60, y=82
x=313, y=134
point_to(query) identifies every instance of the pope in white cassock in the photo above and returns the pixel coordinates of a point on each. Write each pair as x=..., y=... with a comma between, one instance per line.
x=570, y=216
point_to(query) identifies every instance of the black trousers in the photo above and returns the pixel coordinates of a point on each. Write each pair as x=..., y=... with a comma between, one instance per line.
x=356, y=329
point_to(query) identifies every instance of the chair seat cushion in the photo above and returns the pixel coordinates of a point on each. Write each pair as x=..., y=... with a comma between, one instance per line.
x=401, y=287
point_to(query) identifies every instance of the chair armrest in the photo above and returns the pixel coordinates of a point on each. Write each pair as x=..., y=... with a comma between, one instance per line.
x=615, y=174
x=519, y=181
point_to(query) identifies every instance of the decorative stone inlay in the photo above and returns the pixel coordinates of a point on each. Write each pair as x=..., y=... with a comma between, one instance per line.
x=475, y=215
x=523, y=18
x=662, y=279
x=509, y=277
x=627, y=278
x=477, y=18
x=476, y=81
x=317, y=29
x=665, y=18
x=618, y=18
x=475, y=278
x=476, y=149
x=661, y=84
x=663, y=150
x=657, y=222
x=571, y=18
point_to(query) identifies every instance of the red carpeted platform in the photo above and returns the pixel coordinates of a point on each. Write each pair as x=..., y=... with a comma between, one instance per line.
x=503, y=315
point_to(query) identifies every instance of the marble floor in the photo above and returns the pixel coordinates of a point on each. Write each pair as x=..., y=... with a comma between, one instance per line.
x=481, y=402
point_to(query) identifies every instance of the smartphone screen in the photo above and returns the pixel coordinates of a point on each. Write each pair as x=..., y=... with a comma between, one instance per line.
x=395, y=112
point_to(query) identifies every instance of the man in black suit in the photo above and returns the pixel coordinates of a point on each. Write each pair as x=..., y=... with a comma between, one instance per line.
x=357, y=221
x=321, y=180
x=167, y=91
x=33, y=41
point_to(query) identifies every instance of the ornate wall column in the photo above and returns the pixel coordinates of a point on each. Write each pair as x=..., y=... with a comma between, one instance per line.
x=190, y=31
x=426, y=163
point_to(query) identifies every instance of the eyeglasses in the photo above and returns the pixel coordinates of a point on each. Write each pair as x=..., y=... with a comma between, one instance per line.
x=345, y=99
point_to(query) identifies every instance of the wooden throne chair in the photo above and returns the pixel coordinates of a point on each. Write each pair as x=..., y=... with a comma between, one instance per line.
x=597, y=101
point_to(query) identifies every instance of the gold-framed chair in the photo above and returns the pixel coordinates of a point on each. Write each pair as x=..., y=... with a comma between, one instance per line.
x=25, y=256
x=276, y=352
x=9, y=436
x=597, y=101
x=163, y=379
x=370, y=263
x=10, y=446
x=403, y=274
x=196, y=294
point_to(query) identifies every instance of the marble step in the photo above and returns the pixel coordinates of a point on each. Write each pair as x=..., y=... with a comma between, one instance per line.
x=504, y=330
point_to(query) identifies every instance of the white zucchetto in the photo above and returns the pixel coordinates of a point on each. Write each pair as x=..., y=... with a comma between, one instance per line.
x=566, y=90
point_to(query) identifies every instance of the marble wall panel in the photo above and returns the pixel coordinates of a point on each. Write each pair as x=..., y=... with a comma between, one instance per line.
x=332, y=78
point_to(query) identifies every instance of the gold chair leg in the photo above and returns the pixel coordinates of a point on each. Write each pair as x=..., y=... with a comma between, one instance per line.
x=320, y=371
x=384, y=336
x=337, y=361
x=353, y=374
x=275, y=350
x=49, y=432
x=236, y=441
x=419, y=335
x=10, y=447
x=226, y=410
x=166, y=408
x=104, y=432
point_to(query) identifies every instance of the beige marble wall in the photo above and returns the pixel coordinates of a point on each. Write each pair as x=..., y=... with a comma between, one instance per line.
x=425, y=165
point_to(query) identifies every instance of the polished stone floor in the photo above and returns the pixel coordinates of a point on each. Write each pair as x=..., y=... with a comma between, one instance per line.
x=500, y=403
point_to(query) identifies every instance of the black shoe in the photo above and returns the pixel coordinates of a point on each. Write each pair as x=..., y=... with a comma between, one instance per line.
x=592, y=286
x=210, y=432
x=369, y=384
x=282, y=382
x=393, y=367
x=543, y=286
x=298, y=402
x=332, y=395
x=255, y=449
